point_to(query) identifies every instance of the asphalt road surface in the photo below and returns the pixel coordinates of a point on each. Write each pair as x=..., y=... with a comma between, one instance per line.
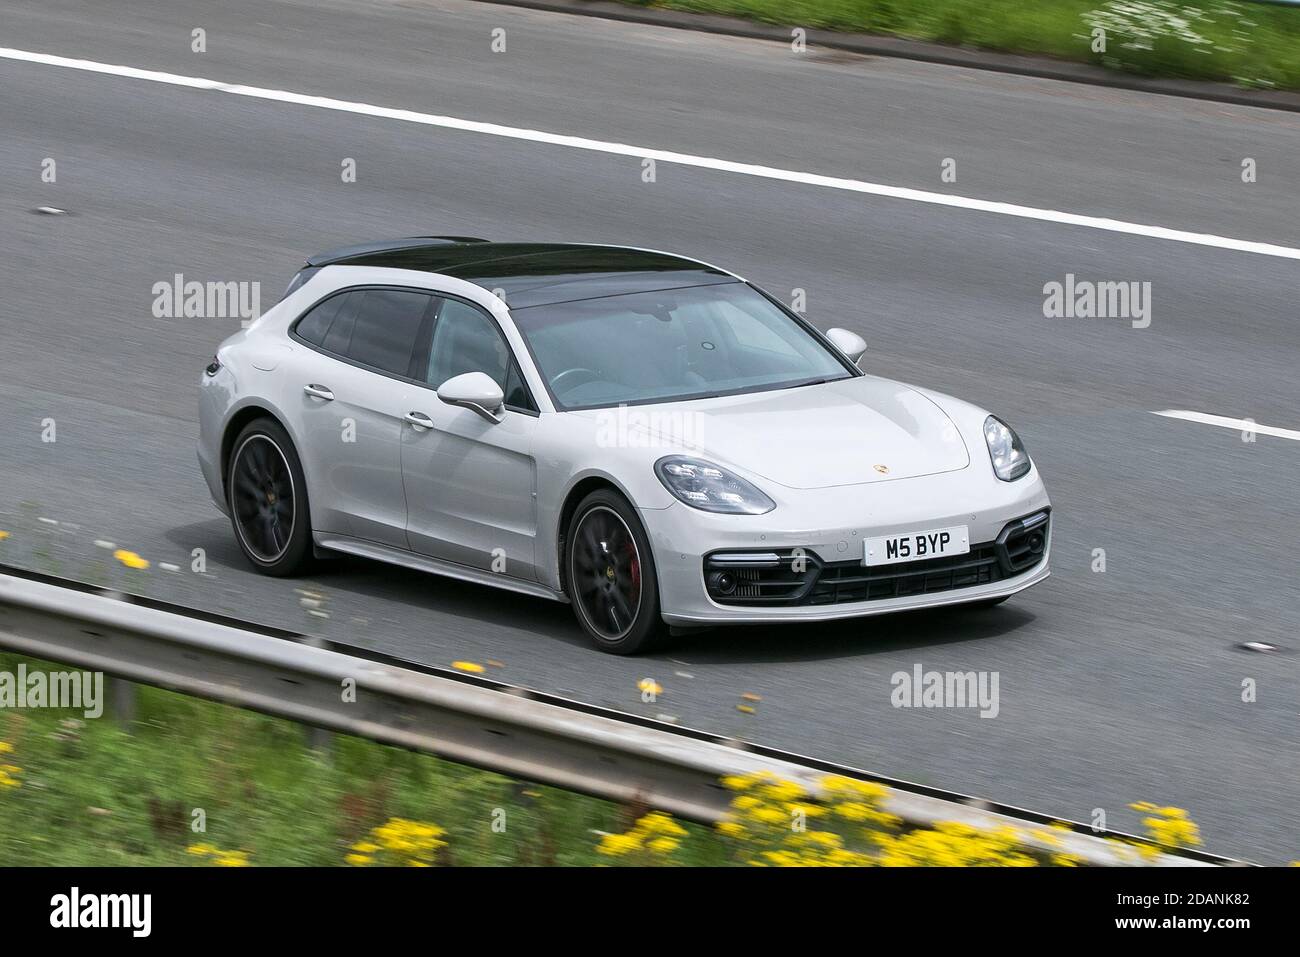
x=1116, y=686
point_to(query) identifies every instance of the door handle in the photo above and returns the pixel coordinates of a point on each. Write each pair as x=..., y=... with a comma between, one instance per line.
x=319, y=391
x=419, y=420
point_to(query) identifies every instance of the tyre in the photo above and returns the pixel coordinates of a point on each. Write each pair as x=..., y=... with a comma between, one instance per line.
x=267, y=494
x=611, y=576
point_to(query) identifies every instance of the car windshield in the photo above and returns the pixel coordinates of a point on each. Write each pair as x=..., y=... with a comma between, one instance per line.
x=676, y=344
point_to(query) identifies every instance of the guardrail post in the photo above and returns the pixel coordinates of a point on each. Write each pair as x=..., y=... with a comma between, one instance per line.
x=122, y=693
x=318, y=739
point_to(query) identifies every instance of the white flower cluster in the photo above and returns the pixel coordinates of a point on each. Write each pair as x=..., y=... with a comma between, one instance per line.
x=1138, y=24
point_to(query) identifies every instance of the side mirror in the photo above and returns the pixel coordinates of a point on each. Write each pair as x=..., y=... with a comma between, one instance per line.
x=849, y=343
x=476, y=391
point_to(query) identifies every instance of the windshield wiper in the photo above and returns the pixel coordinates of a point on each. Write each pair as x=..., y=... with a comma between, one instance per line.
x=800, y=385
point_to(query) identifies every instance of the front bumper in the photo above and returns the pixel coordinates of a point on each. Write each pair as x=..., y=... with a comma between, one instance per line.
x=683, y=538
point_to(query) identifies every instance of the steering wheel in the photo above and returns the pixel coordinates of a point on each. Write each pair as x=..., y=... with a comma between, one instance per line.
x=558, y=384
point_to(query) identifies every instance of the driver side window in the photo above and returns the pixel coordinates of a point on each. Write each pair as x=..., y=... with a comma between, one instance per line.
x=466, y=340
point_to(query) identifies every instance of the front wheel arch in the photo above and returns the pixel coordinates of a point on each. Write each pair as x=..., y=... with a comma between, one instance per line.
x=647, y=628
x=576, y=494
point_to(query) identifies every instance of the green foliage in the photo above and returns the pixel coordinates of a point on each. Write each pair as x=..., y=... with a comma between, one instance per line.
x=90, y=793
x=1248, y=44
x=75, y=792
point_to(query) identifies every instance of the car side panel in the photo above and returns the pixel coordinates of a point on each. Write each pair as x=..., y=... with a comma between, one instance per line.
x=350, y=447
x=471, y=488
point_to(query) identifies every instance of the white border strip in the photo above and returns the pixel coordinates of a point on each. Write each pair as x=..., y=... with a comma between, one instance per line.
x=1223, y=422
x=666, y=156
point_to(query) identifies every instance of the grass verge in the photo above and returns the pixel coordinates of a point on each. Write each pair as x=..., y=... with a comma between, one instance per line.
x=89, y=793
x=1252, y=45
x=194, y=782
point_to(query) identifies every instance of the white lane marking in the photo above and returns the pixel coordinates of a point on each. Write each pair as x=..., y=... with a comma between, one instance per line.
x=666, y=156
x=1240, y=425
x=1260, y=646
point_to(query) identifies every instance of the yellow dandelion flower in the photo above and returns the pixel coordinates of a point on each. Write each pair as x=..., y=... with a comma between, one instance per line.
x=398, y=841
x=130, y=559
x=660, y=823
x=738, y=782
x=735, y=829
x=618, y=844
x=470, y=666
x=783, y=791
x=1048, y=838
x=769, y=815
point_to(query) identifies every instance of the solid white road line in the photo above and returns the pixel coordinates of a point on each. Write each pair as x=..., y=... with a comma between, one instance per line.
x=666, y=156
x=1240, y=425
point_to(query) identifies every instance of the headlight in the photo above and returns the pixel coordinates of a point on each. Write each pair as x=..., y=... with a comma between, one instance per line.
x=710, y=487
x=1010, y=460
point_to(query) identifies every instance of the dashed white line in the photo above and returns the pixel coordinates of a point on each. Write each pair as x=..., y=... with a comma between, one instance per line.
x=1224, y=422
x=659, y=155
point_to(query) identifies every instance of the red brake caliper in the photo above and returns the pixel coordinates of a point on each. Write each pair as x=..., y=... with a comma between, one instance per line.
x=636, y=565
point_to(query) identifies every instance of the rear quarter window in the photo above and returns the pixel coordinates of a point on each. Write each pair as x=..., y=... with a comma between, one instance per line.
x=314, y=326
x=387, y=328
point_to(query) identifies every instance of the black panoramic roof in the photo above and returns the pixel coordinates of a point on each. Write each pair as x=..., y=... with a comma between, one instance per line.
x=533, y=274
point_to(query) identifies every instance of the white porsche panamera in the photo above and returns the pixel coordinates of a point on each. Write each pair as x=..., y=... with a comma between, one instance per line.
x=648, y=437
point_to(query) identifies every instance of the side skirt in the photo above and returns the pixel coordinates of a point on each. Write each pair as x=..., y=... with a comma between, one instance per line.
x=423, y=563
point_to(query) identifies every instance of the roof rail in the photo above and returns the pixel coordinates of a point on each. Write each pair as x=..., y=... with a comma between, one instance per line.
x=386, y=245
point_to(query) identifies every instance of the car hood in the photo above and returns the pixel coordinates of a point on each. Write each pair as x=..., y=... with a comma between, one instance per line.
x=848, y=432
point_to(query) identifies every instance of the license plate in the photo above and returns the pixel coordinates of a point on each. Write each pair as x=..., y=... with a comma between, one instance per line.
x=916, y=546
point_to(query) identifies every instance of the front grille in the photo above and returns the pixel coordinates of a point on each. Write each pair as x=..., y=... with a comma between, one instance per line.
x=792, y=576
x=853, y=581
